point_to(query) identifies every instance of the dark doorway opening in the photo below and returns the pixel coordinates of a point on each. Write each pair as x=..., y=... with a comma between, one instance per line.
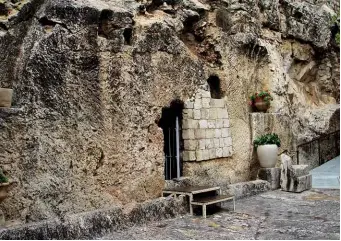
x=170, y=123
x=215, y=88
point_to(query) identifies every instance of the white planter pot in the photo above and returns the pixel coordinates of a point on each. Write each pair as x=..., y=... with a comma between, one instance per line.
x=267, y=155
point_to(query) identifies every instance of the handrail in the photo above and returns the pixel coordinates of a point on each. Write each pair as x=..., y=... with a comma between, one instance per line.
x=318, y=139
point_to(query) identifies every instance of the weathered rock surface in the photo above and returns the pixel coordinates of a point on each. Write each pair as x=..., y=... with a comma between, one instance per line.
x=98, y=223
x=271, y=175
x=91, y=78
x=294, y=178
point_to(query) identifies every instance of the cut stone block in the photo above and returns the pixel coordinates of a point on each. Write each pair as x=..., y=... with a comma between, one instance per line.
x=203, y=124
x=202, y=155
x=189, y=124
x=224, y=132
x=187, y=113
x=197, y=104
x=272, y=175
x=188, y=134
x=217, y=133
x=206, y=94
x=213, y=114
x=245, y=189
x=219, y=152
x=206, y=102
x=209, y=143
x=212, y=153
x=226, y=123
x=189, y=104
x=300, y=170
x=290, y=182
x=216, y=143
x=211, y=124
x=189, y=156
x=217, y=103
x=202, y=144
x=219, y=123
x=196, y=114
x=190, y=145
x=204, y=113
x=200, y=133
x=221, y=142
x=210, y=133
x=226, y=152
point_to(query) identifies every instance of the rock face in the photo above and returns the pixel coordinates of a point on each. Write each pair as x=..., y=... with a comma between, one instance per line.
x=90, y=79
x=294, y=178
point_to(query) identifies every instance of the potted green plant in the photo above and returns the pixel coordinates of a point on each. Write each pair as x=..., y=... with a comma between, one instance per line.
x=261, y=100
x=267, y=148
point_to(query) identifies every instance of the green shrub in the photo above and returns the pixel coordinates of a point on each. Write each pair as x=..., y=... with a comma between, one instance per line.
x=267, y=139
x=3, y=178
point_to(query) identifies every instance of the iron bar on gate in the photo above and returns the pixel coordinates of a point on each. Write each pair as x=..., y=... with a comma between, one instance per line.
x=318, y=140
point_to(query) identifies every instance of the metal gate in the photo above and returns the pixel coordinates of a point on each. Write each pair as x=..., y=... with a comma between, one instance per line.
x=172, y=150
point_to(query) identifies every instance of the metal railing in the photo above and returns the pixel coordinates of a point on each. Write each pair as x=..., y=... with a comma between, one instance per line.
x=318, y=141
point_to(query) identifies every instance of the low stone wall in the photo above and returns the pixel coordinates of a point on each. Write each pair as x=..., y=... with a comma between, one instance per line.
x=89, y=225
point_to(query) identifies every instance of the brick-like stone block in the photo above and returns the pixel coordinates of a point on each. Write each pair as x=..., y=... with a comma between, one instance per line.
x=230, y=150
x=211, y=124
x=221, y=142
x=217, y=103
x=196, y=114
x=217, y=133
x=226, y=152
x=300, y=170
x=190, y=145
x=213, y=114
x=206, y=94
x=222, y=113
x=202, y=155
x=228, y=141
x=225, y=132
x=212, y=153
x=272, y=175
x=189, y=124
x=197, y=104
x=204, y=113
x=209, y=143
x=210, y=133
x=205, y=102
x=203, y=124
x=200, y=133
x=188, y=134
x=226, y=123
x=189, y=104
x=202, y=144
x=187, y=113
x=216, y=143
x=219, y=152
x=189, y=156
x=219, y=123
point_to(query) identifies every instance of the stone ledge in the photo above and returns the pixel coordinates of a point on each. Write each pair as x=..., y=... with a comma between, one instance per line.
x=246, y=189
x=97, y=223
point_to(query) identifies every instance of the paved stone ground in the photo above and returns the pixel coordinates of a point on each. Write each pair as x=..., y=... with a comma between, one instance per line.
x=313, y=214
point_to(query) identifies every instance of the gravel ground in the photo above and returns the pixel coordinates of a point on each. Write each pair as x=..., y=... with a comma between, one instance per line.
x=313, y=214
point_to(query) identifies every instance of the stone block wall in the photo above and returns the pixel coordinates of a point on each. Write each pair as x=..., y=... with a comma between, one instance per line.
x=205, y=128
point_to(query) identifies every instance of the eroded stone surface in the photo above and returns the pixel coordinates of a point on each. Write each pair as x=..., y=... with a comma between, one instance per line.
x=272, y=175
x=91, y=78
x=273, y=215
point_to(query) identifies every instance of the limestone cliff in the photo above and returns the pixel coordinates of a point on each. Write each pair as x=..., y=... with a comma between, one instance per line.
x=90, y=78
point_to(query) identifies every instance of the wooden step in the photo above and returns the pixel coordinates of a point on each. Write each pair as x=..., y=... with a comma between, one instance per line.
x=212, y=200
x=190, y=190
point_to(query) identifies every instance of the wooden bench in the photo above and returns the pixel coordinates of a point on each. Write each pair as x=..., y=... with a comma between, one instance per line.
x=212, y=200
x=190, y=191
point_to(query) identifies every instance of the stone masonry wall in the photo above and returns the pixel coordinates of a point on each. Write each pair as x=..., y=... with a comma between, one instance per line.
x=205, y=127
